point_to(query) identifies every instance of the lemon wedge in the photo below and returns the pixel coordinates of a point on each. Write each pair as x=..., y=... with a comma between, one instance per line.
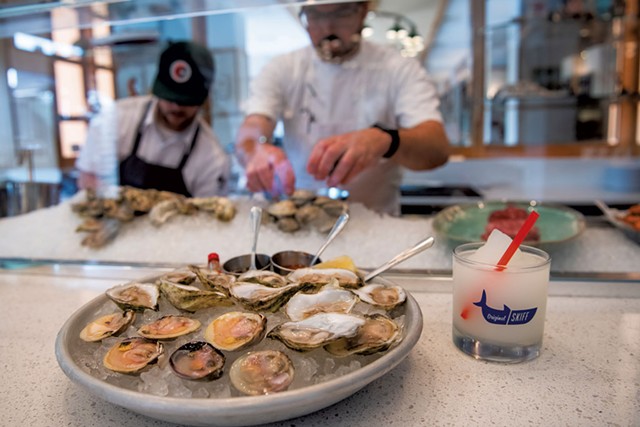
x=344, y=262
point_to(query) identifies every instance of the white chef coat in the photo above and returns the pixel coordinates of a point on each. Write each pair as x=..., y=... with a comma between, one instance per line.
x=316, y=99
x=207, y=170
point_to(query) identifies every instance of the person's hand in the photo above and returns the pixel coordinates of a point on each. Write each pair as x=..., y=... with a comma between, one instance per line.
x=270, y=170
x=340, y=158
x=87, y=180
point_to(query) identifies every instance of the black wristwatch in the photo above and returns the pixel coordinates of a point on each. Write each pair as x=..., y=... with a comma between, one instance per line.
x=395, y=140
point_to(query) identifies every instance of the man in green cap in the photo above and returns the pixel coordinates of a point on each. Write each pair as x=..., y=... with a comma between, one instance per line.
x=161, y=139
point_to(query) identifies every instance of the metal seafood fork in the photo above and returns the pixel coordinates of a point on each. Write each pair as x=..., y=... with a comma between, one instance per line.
x=402, y=256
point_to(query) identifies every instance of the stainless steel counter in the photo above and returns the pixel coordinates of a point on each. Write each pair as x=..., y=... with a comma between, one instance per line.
x=588, y=373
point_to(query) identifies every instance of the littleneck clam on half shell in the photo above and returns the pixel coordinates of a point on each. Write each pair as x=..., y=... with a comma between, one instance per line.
x=106, y=326
x=168, y=327
x=131, y=355
x=235, y=330
x=262, y=372
x=135, y=296
x=197, y=360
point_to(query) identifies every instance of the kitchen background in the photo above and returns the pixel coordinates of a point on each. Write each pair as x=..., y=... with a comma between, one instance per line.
x=539, y=97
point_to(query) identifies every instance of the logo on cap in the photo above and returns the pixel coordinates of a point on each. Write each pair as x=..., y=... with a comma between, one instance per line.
x=180, y=71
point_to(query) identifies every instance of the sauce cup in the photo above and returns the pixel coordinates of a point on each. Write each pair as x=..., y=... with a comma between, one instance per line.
x=287, y=261
x=241, y=264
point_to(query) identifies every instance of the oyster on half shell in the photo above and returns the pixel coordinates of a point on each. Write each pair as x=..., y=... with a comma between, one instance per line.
x=317, y=330
x=264, y=277
x=189, y=298
x=105, y=326
x=235, y=330
x=131, y=355
x=377, y=334
x=259, y=297
x=330, y=299
x=322, y=276
x=135, y=296
x=262, y=372
x=168, y=327
x=387, y=297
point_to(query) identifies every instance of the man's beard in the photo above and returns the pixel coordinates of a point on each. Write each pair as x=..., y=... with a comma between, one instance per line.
x=332, y=49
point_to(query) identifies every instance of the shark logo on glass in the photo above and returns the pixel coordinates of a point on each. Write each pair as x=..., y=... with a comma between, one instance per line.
x=506, y=316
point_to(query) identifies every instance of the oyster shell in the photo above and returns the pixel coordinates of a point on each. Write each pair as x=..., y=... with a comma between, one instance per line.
x=330, y=299
x=377, y=334
x=212, y=280
x=259, y=297
x=131, y=355
x=283, y=208
x=135, y=296
x=302, y=196
x=168, y=327
x=235, y=330
x=387, y=297
x=317, y=330
x=262, y=372
x=106, y=231
x=182, y=277
x=189, y=298
x=105, y=326
x=264, y=277
x=197, y=360
x=317, y=276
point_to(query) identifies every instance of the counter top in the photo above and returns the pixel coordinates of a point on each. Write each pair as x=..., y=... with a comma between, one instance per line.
x=588, y=373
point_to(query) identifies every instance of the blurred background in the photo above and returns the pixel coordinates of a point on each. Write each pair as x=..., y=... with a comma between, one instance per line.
x=548, y=85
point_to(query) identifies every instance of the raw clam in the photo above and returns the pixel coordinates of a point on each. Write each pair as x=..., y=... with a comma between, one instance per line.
x=135, y=296
x=189, y=298
x=131, y=355
x=235, y=330
x=387, y=297
x=377, y=334
x=330, y=299
x=262, y=372
x=317, y=276
x=168, y=327
x=197, y=360
x=317, y=330
x=105, y=326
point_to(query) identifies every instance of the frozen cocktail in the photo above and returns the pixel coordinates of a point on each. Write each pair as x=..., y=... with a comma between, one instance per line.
x=499, y=312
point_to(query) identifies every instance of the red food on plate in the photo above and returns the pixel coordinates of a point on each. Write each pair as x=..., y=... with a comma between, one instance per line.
x=509, y=220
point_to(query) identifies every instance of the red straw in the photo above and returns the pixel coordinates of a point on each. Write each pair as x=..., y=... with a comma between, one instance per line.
x=508, y=254
x=517, y=241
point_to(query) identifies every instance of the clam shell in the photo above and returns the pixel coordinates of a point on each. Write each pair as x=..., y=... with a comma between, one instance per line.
x=197, y=360
x=131, y=355
x=168, y=327
x=235, y=330
x=262, y=372
x=106, y=326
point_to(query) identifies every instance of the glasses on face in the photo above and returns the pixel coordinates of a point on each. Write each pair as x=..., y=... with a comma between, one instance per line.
x=313, y=16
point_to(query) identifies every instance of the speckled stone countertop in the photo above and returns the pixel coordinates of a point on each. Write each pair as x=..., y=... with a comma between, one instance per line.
x=587, y=375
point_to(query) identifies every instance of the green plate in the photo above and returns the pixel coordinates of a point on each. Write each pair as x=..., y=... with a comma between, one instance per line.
x=466, y=223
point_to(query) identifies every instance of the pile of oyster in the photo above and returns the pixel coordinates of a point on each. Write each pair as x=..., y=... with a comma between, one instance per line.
x=104, y=216
x=328, y=310
x=304, y=209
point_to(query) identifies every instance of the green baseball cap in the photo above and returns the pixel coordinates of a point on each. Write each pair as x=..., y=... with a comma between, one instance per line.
x=185, y=73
